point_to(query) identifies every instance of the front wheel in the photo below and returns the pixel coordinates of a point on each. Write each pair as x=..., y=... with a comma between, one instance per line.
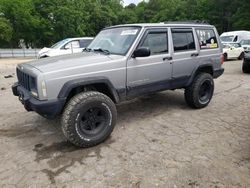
x=88, y=119
x=200, y=92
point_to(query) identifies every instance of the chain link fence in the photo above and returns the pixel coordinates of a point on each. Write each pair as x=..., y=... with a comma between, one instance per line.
x=15, y=53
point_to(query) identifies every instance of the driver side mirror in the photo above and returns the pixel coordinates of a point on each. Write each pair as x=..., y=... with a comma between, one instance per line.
x=141, y=52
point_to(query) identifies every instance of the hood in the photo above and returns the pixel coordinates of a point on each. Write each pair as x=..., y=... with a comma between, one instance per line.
x=44, y=50
x=71, y=61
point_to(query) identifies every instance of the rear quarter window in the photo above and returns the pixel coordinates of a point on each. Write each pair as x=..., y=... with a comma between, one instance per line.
x=207, y=39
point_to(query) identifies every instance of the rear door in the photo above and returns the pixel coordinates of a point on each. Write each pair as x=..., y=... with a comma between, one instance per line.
x=185, y=54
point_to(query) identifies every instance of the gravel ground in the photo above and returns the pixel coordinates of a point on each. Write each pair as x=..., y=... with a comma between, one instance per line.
x=158, y=142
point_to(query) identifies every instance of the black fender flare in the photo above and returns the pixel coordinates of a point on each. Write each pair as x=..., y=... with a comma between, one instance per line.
x=195, y=71
x=68, y=86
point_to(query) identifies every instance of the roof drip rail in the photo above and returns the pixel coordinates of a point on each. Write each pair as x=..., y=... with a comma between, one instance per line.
x=205, y=22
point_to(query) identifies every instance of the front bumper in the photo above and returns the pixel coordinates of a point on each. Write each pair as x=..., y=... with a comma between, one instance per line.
x=49, y=109
x=218, y=72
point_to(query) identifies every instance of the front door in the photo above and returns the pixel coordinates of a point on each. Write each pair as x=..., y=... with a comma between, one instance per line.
x=148, y=74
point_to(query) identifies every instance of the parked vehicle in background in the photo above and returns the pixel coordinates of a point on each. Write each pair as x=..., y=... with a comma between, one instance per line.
x=235, y=36
x=246, y=45
x=233, y=51
x=66, y=46
x=121, y=63
x=246, y=63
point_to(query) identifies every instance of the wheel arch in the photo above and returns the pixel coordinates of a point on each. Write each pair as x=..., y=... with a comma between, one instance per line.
x=206, y=68
x=100, y=84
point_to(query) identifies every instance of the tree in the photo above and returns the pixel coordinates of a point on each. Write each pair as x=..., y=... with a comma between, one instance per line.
x=5, y=31
x=43, y=22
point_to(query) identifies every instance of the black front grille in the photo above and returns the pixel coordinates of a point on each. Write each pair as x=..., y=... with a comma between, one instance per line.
x=23, y=79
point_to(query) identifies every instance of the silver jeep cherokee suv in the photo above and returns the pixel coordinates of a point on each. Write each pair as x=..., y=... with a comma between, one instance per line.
x=121, y=63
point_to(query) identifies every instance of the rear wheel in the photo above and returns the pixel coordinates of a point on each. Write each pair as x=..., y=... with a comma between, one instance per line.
x=245, y=68
x=89, y=119
x=225, y=56
x=200, y=92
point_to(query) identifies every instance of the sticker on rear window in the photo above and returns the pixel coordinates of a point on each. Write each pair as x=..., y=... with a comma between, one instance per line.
x=129, y=32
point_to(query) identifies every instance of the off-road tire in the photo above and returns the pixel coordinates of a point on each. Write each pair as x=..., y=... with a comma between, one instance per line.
x=76, y=106
x=245, y=68
x=192, y=92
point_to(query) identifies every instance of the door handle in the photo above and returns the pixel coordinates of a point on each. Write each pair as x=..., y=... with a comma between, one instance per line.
x=194, y=55
x=167, y=58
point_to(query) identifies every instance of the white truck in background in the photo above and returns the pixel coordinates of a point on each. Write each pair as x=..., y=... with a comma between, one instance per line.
x=235, y=36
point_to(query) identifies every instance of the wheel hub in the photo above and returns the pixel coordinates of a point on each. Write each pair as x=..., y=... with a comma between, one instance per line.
x=92, y=121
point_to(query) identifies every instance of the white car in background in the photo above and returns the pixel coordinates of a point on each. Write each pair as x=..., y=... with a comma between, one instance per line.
x=246, y=45
x=235, y=36
x=66, y=46
x=233, y=51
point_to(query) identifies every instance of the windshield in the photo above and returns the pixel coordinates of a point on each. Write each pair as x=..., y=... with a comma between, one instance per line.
x=58, y=44
x=115, y=40
x=226, y=46
x=245, y=42
x=227, y=38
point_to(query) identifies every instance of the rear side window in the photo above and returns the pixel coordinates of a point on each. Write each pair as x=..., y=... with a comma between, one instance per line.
x=157, y=42
x=183, y=39
x=207, y=38
x=85, y=42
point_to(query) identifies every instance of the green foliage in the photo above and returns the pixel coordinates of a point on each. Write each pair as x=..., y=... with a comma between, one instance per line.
x=5, y=31
x=43, y=22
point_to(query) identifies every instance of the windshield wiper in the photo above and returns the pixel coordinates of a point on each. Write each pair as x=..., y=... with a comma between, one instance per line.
x=102, y=50
x=87, y=50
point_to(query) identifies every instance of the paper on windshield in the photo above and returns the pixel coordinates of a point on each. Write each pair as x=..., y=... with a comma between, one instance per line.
x=129, y=32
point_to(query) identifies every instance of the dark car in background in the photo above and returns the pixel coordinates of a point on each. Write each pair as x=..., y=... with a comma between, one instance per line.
x=246, y=63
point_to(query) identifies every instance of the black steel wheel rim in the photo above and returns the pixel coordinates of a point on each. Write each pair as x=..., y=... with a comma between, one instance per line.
x=93, y=120
x=205, y=91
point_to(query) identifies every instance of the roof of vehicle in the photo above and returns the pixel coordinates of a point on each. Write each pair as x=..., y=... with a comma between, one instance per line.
x=167, y=24
x=235, y=33
x=79, y=38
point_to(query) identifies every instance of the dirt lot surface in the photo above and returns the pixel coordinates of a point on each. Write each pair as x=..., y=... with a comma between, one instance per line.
x=158, y=142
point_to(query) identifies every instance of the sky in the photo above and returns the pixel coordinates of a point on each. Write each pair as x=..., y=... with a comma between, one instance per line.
x=127, y=2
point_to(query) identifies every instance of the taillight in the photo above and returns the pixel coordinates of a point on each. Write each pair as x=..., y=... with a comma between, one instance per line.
x=222, y=58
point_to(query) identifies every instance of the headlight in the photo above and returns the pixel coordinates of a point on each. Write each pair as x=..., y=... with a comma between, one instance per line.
x=33, y=87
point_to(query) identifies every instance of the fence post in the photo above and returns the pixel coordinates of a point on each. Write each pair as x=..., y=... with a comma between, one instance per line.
x=12, y=52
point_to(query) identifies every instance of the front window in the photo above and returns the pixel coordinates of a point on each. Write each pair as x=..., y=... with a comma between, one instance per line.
x=115, y=40
x=157, y=42
x=245, y=42
x=72, y=45
x=59, y=44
